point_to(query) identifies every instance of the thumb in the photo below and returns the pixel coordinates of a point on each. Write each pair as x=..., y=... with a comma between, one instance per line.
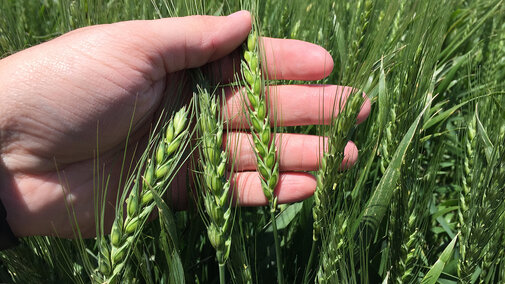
x=189, y=42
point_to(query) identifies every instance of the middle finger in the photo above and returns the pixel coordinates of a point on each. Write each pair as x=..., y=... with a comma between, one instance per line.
x=295, y=105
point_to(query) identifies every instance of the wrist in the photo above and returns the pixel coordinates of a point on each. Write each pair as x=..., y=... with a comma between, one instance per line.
x=7, y=236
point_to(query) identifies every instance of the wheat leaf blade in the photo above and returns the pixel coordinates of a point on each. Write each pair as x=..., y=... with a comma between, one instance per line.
x=286, y=216
x=434, y=273
x=381, y=197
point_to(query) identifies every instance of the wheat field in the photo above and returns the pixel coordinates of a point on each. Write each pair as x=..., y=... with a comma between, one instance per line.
x=424, y=202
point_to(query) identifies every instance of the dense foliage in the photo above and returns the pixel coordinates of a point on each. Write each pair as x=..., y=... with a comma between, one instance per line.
x=425, y=201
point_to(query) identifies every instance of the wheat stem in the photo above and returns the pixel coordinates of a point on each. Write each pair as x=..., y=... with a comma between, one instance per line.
x=222, y=273
x=306, y=273
x=263, y=140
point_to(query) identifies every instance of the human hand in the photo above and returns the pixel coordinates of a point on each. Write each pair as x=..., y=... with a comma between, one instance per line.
x=58, y=97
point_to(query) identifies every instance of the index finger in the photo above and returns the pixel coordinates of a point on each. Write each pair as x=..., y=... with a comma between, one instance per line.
x=283, y=59
x=289, y=59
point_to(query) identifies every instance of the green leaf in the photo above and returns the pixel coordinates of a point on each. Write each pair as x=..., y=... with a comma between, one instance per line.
x=381, y=197
x=286, y=216
x=449, y=76
x=441, y=116
x=449, y=50
x=174, y=261
x=169, y=240
x=443, y=211
x=432, y=276
x=446, y=227
x=167, y=217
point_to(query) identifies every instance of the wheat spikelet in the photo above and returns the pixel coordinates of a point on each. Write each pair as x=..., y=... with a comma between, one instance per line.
x=332, y=251
x=333, y=229
x=464, y=198
x=139, y=204
x=332, y=160
x=216, y=188
x=263, y=140
x=356, y=48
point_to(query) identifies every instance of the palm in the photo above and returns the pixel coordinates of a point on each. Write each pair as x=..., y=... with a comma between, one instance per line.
x=89, y=118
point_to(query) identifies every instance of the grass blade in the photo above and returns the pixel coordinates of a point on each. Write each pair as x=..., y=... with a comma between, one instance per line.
x=432, y=276
x=381, y=197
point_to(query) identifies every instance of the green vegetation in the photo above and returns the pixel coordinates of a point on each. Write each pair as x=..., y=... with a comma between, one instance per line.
x=424, y=203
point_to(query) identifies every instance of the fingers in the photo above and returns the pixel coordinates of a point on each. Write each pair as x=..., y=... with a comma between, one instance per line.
x=292, y=187
x=285, y=59
x=297, y=152
x=296, y=105
x=295, y=60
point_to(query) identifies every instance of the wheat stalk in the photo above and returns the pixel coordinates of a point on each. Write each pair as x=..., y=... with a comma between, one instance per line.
x=332, y=251
x=332, y=159
x=341, y=125
x=263, y=140
x=139, y=204
x=464, y=198
x=361, y=27
x=216, y=190
x=327, y=179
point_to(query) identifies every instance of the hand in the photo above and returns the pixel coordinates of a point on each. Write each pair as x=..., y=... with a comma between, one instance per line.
x=58, y=97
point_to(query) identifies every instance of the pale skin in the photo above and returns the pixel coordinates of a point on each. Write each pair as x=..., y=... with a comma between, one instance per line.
x=57, y=96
